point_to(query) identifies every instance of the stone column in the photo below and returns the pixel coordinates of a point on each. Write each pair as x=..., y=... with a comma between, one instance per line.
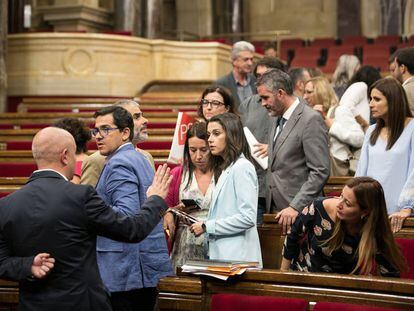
x=370, y=18
x=16, y=16
x=75, y=15
x=153, y=19
x=202, y=9
x=409, y=18
x=3, y=52
x=127, y=16
x=349, y=18
x=391, y=17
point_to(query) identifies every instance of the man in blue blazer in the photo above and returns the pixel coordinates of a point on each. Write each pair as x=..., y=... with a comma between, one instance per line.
x=129, y=271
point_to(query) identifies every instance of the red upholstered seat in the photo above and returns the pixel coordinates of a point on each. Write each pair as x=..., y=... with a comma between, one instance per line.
x=229, y=302
x=34, y=126
x=10, y=169
x=158, y=163
x=323, y=42
x=407, y=248
x=151, y=145
x=161, y=125
x=288, y=45
x=336, y=306
x=388, y=39
x=354, y=40
x=19, y=145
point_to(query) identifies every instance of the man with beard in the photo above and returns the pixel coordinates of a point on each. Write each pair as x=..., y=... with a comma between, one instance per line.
x=92, y=166
x=298, y=149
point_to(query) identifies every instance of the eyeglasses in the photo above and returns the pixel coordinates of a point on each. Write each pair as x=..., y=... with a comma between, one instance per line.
x=213, y=103
x=103, y=131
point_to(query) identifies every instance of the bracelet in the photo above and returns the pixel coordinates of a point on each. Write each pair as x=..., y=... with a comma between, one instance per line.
x=168, y=210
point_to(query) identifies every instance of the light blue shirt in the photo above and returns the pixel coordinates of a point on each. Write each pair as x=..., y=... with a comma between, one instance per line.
x=392, y=168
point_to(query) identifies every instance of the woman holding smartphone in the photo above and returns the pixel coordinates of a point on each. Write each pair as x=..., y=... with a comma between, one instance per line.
x=231, y=222
x=191, y=181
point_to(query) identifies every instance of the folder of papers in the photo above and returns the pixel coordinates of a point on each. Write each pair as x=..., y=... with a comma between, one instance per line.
x=184, y=215
x=251, y=140
x=222, y=269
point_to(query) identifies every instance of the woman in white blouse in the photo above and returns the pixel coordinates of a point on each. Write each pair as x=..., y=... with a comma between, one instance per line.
x=351, y=121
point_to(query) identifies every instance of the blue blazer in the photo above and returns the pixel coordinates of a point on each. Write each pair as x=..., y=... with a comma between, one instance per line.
x=231, y=223
x=123, y=185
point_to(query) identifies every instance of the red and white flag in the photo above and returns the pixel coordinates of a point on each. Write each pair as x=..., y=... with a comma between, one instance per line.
x=184, y=122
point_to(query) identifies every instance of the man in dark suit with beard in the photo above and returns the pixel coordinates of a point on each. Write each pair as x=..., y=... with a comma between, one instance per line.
x=50, y=215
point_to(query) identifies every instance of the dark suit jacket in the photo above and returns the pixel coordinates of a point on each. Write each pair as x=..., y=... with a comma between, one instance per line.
x=299, y=162
x=229, y=82
x=52, y=215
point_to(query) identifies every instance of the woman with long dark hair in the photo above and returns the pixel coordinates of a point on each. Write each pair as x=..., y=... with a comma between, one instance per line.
x=193, y=180
x=231, y=222
x=349, y=235
x=388, y=150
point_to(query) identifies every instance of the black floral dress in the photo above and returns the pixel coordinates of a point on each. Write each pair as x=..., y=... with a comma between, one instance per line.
x=304, y=245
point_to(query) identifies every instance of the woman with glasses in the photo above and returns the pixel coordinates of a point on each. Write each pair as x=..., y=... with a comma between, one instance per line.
x=215, y=100
x=82, y=135
x=231, y=222
x=193, y=180
x=350, y=234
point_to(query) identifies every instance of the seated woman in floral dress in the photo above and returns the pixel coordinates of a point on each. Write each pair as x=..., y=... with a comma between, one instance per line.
x=349, y=235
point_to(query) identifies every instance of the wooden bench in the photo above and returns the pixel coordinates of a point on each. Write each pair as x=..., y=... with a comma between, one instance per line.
x=26, y=156
x=191, y=107
x=37, y=104
x=172, y=93
x=28, y=134
x=334, y=185
x=25, y=169
x=33, y=117
x=187, y=292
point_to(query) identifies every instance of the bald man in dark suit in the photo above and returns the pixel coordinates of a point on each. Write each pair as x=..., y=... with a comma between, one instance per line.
x=50, y=215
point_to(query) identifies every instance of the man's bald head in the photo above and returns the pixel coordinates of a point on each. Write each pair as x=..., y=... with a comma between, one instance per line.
x=54, y=148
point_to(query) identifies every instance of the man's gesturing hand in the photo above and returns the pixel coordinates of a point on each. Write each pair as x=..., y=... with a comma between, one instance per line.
x=161, y=182
x=42, y=265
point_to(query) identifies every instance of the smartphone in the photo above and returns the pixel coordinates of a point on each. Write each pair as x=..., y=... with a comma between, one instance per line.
x=190, y=204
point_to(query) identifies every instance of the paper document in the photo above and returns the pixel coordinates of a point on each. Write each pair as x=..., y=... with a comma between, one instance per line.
x=253, y=141
x=221, y=269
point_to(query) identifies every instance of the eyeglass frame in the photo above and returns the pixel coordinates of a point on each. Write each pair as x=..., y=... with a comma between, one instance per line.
x=213, y=103
x=102, y=131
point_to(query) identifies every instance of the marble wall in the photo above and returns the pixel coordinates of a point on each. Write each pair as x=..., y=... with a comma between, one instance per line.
x=307, y=19
x=105, y=65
